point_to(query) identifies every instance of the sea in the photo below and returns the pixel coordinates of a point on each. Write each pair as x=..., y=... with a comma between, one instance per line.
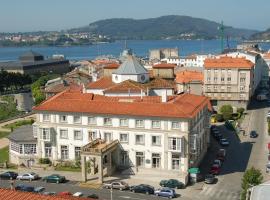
x=139, y=47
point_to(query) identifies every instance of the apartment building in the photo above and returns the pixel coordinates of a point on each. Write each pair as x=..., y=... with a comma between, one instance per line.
x=229, y=80
x=163, y=134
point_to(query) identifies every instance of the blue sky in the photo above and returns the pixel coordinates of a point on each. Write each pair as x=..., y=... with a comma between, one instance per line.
x=33, y=15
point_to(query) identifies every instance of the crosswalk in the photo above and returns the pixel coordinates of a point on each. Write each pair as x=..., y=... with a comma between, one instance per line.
x=212, y=193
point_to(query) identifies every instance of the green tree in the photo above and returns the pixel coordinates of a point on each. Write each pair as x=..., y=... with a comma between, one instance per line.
x=251, y=178
x=226, y=111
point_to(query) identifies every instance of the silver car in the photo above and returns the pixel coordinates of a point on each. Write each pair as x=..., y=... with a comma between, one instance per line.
x=28, y=176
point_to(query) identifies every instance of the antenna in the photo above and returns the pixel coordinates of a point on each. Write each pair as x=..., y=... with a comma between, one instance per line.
x=221, y=28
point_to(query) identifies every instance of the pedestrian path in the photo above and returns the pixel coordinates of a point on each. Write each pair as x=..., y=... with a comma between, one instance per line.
x=220, y=194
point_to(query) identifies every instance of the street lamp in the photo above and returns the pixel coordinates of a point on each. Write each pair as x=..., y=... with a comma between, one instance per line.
x=111, y=194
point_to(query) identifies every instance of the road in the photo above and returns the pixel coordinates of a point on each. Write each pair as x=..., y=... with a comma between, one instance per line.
x=241, y=154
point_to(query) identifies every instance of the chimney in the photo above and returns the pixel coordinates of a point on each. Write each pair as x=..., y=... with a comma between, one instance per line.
x=164, y=96
x=141, y=94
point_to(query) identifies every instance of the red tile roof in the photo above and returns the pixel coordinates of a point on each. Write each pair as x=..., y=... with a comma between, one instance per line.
x=228, y=62
x=125, y=87
x=188, y=76
x=164, y=66
x=183, y=106
x=112, y=66
x=6, y=194
x=102, y=83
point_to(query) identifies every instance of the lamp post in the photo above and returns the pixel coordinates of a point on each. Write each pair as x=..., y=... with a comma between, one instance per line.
x=111, y=194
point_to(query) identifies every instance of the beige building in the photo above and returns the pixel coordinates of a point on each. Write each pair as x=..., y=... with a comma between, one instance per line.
x=229, y=80
x=163, y=53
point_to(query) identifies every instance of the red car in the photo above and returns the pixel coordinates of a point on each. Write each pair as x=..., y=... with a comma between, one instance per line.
x=215, y=169
x=65, y=193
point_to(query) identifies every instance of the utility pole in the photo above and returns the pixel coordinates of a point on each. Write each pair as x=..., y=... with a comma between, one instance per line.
x=221, y=29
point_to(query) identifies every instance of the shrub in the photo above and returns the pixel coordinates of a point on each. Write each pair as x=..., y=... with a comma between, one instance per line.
x=226, y=111
x=219, y=117
x=241, y=110
x=236, y=116
x=45, y=161
x=251, y=178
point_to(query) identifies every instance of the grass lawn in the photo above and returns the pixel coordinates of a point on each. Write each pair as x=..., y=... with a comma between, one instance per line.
x=4, y=134
x=4, y=154
x=70, y=169
x=19, y=123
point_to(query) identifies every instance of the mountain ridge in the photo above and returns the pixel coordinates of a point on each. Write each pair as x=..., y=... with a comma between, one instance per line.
x=164, y=27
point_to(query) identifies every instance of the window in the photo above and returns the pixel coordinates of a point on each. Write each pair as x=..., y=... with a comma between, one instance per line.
x=208, y=79
x=223, y=71
x=124, y=137
x=48, y=150
x=46, y=117
x=229, y=79
x=77, y=153
x=139, y=159
x=77, y=119
x=124, y=159
x=63, y=118
x=229, y=88
x=215, y=87
x=92, y=135
x=78, y=135
x=242, y=80
x=30, y=149
x=175, y=161
x=155, y=160
x=215, y=79
x=64, y=152
x=63, y=133
x=139, y=123
x=45, y=134
x=175, y=144
x=155, y=124
x=175, y=125
x=92, y=120
x=35, y=131
x=216, y=71
x=123, y=122
x=21, y=149
x=139, y=139
x=242, y=88
x=156, y=140
x=15, y=147
x=108, y=137
x=222, y=79
x=222, y=95
x=107, y=121
x=229, y=72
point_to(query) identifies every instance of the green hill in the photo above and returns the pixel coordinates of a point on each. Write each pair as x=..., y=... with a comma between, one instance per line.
x=165, y=27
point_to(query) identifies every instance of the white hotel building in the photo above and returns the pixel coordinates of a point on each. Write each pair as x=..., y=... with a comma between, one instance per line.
x=138, y=133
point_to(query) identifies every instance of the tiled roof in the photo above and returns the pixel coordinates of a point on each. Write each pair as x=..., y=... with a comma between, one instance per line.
x=183, y=106
x=228, y=62
x=112, y=66
x=188, y=76
x=102, y=83
x=160, y=83
x=6, y=194
x=125, y=87
x=164, y=66
x=266, y=55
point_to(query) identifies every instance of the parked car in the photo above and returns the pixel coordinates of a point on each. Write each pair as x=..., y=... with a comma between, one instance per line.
x=78, y=194
x=28, y=176
x=172, y=183
x=218, y=135
x=49, y=193
x=165, y=192
x=217, y=162
x=209, y=179
x=25, y=188
x=215, y=169
x=64, y=193
x=121, y=185
x=93, y=196
x=8, y=175
x=224, y=142
x=39, y=189
x=54, y=178
x=222, y=152
x=253, y=134
x=268, y=167
x=142, y=188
